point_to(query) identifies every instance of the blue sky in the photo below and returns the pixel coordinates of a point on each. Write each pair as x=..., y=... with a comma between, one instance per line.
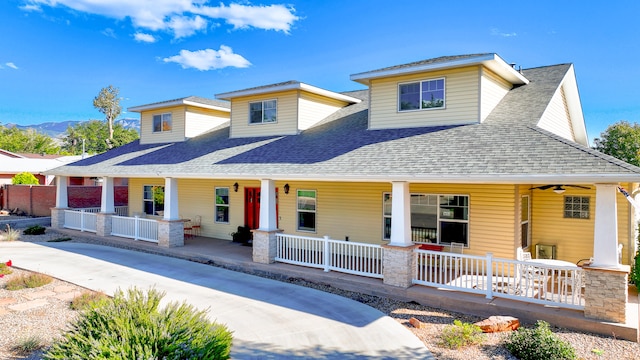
x=56, y=55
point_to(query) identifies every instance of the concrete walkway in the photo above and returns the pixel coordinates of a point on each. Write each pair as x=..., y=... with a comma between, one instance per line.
x=269, y=319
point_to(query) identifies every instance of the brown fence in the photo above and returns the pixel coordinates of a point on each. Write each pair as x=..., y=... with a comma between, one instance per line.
x=37, y=200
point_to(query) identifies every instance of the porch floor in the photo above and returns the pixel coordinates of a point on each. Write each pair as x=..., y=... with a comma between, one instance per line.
x=234, y=256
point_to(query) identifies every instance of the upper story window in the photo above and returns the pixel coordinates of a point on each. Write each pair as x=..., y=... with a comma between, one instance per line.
x=428, y=94
x=162, y=122
x=263, y=112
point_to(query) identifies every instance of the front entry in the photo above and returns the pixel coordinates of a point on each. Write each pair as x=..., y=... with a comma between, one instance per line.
x=252, y=207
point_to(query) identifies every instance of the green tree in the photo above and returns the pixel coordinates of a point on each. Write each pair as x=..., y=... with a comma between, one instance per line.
x=108, y=103
x=25, y=178
x=95, y=136
x=622, y=141
x=27, y=141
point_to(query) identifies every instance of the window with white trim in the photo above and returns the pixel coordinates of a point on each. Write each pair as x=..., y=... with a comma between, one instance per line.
x=307, y=210
x=162, y=122
x=576, y=207
x=524, y=222
x=420, y=95
x=222, y=205
x=262, y=112
x=153, y=199
x=434, y=218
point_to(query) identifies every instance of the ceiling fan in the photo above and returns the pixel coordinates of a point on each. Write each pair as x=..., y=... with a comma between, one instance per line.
x=558, y=189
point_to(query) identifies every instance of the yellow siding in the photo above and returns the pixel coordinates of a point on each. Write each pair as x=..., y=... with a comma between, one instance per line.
x=492, y=89
x=199, y=120
x=314, y=108
x=287, y=115
x=136, y=187
x=461, y=100
x=147, y=136
x=556, y=117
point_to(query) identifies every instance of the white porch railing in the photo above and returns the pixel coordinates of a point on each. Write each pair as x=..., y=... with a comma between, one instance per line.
x=324, y=253
x=135, y=228
x=80, y=220
x=120, y=210
x=518, y=280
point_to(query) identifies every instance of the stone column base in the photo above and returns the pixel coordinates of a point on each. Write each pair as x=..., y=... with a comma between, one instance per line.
x=104, y=224
x=170, y=233
x=605, y=293
x=264, y=246
x=57, y=217
x=398, y=263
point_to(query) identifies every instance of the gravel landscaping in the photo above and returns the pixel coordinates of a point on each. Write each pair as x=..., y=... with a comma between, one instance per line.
x=47, y=322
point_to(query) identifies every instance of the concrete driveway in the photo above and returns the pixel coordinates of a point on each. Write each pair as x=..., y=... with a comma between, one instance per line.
x=269, y=319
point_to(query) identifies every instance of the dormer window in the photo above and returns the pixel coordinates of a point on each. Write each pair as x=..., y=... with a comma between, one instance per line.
x=162, y=122
x=263, y=112
x=428, y=94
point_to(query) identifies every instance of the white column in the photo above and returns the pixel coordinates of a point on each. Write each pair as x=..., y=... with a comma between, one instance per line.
x=268, y=205
x=171, y=209
x=106, y=204
x=61, y=192
x=605, y=234
x=400, y=214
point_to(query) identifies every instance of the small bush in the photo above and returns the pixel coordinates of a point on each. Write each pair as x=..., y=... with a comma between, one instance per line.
x=28, y=345
x=538, y=343
x=84, y=300
x=131, y=326
x=9, y=234
x=4, y=269
x=461, y=334
x=28, y=281
x=25, y=178
x=34, y=230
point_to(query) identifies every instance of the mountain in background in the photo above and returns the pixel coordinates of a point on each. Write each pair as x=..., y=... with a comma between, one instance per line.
x=58, y=129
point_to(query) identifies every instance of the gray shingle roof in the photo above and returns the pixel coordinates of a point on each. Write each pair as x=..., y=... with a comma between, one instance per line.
x=507, y=148
x=194, y=99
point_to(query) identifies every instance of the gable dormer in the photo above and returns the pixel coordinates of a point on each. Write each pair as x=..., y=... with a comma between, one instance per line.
x=281, y=109
x=450, y=90
x=180, y=119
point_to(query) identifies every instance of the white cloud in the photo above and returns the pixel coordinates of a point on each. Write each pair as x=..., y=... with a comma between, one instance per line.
x=209, y=59
x=142, y=37
x=181, y=17
x=497, y=32
x=109, y=32
x=31, y=7
x=11, y=65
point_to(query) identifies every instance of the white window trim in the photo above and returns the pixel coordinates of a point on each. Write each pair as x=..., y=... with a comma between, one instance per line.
x=228, y=206
x=438, y=218
x=262, y=117
x=444, y=101
x=153, y=201
x=564, y=212
x=527, y=221
x=161, y=122
x=315, y=225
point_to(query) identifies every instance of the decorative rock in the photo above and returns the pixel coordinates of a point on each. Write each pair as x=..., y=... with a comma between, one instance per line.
x=416, y=323
x=499, y=323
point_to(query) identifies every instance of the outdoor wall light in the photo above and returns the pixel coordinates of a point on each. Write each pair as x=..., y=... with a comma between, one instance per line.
x=286, y=188
x=235, y=187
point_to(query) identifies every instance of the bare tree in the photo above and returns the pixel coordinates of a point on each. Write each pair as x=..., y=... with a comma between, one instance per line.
x=108, y=103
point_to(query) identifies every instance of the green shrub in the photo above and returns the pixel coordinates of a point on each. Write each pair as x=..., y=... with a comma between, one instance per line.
x=132, y=326
x=9, y=234
x=4, y=269
x=28, y=345
x=28, y=281
x=538, y=343
x=461, y=334
x=84, y=300
x=25, y=178
x=34, y=230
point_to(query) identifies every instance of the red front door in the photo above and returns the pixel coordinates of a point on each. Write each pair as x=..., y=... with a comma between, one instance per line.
x=252, y=207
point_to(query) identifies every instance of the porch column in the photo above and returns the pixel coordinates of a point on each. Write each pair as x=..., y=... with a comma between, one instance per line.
x=62, y=203
x=106, y=204
x=171, y=209
x=264, y=238
x=605, y=234
x=400, y=214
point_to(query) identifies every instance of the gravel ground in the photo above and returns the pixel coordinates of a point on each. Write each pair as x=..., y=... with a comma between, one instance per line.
x=48, y=322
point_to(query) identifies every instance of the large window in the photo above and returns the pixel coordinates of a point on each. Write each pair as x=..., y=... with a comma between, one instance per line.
x=428, y=94
x=434, y=218
x=153, y=200
x=307, y=210
x=263, y=112
x=162, y=122
x=222, y=205
x=576, y=207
